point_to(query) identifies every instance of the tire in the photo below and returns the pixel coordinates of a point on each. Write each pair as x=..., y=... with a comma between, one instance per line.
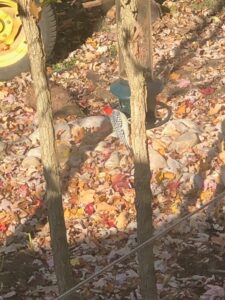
x=47, y=26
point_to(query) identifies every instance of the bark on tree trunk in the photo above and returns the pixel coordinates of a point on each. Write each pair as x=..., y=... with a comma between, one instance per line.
x=53, y=199
x=130, y=43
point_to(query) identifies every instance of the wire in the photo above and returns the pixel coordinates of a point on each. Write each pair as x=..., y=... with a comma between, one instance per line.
x=147, y=242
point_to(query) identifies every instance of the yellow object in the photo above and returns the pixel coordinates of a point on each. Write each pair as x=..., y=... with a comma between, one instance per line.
x=13, y=45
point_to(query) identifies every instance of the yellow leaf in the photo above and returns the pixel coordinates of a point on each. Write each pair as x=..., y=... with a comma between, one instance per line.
x=222, y=156
x=182, y=109
x=215, y=19
x=169, y=175
x=70, y=213
x=159, y=146
x=214, y=110
x=86, y=196
x=160, y=176
x=174, y=76
x=206, y=195
x=75, y=261
x=80, y=212
x=175, y=209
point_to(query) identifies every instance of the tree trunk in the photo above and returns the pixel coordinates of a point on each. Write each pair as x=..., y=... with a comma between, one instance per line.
x=53, y=199
x=131, y=37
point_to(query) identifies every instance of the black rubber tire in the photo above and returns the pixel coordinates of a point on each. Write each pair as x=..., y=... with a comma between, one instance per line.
x=48, y=28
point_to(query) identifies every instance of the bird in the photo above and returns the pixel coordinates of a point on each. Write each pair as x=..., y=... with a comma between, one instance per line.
x=120, y=124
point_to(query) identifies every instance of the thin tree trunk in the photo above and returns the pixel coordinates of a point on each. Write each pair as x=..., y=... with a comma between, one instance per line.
x=53, y=199
x=136, y=73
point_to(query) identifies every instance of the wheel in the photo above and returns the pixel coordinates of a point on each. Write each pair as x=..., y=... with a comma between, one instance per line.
x=13, y=47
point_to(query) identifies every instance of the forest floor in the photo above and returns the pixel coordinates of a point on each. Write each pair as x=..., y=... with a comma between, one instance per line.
x=187, y=157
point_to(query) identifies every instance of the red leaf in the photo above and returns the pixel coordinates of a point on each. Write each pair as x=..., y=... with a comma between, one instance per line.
x=3, y=227
x=173, y=186
x=89, y=209
x=120, y=182
x=38, y=202
x=207, y=91
x=23, y=190
x=1, y=184
x=108, y=222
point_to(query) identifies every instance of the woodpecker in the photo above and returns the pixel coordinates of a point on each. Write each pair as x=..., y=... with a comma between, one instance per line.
x=120, y=124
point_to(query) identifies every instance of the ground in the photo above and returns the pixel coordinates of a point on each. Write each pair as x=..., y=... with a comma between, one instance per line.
x=186, y=157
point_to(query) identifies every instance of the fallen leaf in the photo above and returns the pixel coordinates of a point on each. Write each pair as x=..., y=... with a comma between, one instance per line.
x=183, y=83
x=89, y=209
x=182, y=109
x=215, y=109
x=160, y=176
x=23, y=190
x=120, y=182
x=122, y=220
x=108, y=222
x=174, y=76
x=3, y=227
x=75, y=262
x=205, y=196
x=207, y=91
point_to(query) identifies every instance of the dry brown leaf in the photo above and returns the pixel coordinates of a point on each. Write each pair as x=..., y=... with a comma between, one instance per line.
x=122, y=220
x=181, y=111
x=206, y=195
x=105, y=207
x=78, y=134
x=86, y=196
x=222, y=156
x=215, y=109
x=174, y=76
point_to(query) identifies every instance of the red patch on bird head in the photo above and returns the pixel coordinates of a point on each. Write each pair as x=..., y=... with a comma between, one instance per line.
x=108, y=110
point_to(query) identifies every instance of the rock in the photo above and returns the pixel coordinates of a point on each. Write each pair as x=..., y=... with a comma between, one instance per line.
x=62, y=102
x=122, y=221
x=62, y=131
x=63, y=150
x=190, y=182
x=222, y=175
x=31, y=162
x=175, y=128
x=184, y=142
x=174, y=165
x=75, y=157
x=101, y=146
x=157, y=161
x=2, y=147
x=35, y=152
x=93, y=122
x=111, y=14
x=34, y=137
x=102, y=93
x=113, y=162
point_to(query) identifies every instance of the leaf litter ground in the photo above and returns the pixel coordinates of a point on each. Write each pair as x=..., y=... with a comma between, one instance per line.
x=187, y=158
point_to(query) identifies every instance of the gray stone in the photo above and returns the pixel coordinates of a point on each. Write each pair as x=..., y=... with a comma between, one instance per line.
x=34, y=137
x=2, y=147
x=62, y=130
x=35, y=152
x=157, y=161
x=31, y=162
x=175, y=128
x=113, y=161
x=94, y=122
x=101, y=146
x=63, y=150
x=174, y=165
x=184, y=142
